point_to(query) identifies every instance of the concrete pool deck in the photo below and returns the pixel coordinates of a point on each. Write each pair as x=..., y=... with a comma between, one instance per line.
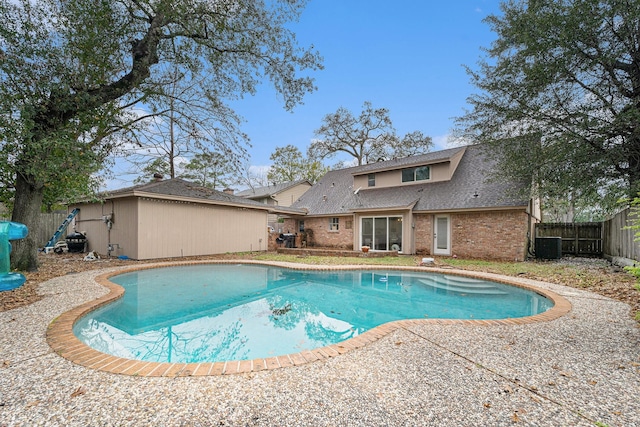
x=580, y=369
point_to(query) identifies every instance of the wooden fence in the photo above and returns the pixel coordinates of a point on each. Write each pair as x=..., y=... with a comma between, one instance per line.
x=49, y=223
x=619, y=240
x=612, y=238
x=578, y=239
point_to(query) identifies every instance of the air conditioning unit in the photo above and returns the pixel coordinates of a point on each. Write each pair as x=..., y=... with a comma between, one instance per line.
x=548, y=247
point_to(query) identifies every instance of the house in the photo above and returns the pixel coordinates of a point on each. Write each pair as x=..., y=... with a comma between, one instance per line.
x=283, y=194
x=440, y=203
x=173, y=218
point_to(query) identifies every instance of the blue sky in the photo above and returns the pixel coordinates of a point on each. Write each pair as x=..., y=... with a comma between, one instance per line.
x=406, y=56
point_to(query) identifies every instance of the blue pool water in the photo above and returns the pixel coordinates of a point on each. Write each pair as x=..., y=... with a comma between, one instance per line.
x=218, y=312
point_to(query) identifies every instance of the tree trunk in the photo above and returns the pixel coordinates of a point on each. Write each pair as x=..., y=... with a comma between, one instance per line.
x=26, y=210
x=634, y=177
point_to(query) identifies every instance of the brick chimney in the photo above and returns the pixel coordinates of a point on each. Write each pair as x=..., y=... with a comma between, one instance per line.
x=157, y=177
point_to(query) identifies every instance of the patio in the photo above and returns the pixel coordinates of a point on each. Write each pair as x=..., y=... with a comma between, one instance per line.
x=581, y=369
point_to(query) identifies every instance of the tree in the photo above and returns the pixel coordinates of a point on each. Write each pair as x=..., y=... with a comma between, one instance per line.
x=183, y=124
x=367, y=138
x=71, y=73
x=560, y=97
x=289, y=165
x=253, y=176
x=210, y=169
x=157, y=166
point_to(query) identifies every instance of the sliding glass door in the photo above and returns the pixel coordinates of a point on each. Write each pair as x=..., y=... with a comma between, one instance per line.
x=382, y=233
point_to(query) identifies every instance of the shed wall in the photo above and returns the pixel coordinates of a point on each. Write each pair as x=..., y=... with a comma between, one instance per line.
x=175, y=229
x=123, y=233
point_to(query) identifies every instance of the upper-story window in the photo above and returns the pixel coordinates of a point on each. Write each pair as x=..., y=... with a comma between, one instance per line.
x=372, y=179
x=420, y=173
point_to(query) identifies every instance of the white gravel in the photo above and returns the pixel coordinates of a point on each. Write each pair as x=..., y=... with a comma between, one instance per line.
x=582, y=369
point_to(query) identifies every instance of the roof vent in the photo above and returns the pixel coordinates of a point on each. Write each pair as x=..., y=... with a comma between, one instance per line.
x=324, y=198
x=157, y=176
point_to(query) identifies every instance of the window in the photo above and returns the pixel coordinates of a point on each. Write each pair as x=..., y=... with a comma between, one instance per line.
x=420, y=173
x=372, y=179
x=301, y=226
x=334, y=224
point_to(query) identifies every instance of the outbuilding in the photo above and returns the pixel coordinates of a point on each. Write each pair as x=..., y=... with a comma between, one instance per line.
x=172, y=218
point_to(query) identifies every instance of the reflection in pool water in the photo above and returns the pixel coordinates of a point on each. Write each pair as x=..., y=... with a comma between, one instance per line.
x=218, y=312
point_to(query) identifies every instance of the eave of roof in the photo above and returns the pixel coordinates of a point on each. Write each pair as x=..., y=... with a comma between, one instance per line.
x=177, y=198
x=184, y=191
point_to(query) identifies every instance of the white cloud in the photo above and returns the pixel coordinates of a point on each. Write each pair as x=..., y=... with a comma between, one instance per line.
x=442, y=142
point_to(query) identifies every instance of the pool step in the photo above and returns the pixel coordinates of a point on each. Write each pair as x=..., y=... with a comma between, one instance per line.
x=472, y=286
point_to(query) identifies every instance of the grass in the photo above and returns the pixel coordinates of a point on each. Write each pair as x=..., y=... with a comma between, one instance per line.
x=331, y=260
x=555, y=272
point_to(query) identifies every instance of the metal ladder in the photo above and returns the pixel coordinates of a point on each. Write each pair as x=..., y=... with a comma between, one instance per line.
x=62, y=227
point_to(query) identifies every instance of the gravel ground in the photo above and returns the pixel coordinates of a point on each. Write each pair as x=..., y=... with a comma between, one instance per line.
x=580, y=370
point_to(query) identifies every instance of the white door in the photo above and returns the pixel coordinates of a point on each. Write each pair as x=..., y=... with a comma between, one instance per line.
x=441, y=235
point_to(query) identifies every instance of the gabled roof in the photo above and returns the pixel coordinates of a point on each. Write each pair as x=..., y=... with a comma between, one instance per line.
x=469, y=188
x=270, y=190
x=179, y=189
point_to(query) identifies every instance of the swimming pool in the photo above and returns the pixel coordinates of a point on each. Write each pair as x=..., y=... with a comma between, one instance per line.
x=219, y=312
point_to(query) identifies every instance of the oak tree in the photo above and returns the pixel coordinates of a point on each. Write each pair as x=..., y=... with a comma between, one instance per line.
x=71, y=73
x=559, y=99
x=370, y=137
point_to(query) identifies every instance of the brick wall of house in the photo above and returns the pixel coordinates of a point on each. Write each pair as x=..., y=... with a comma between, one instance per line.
x=423, y=233
x=497, y=235
x=322, y=237
x=494, y=235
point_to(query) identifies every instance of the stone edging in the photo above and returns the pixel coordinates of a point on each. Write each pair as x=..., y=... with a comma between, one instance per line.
x=62, y=340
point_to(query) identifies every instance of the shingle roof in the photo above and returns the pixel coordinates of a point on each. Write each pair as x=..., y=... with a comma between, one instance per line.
x=334, y=193
x=181, y=188
x=269, y=190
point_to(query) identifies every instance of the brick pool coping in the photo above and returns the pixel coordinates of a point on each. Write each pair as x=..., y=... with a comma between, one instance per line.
x=62, y=340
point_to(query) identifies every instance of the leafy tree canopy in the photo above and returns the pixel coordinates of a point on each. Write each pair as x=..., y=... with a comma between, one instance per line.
x=157, y=166
x=559, y=99
x=210, y=169
x=71, y=71
x=289, y=165
x=368, y=138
